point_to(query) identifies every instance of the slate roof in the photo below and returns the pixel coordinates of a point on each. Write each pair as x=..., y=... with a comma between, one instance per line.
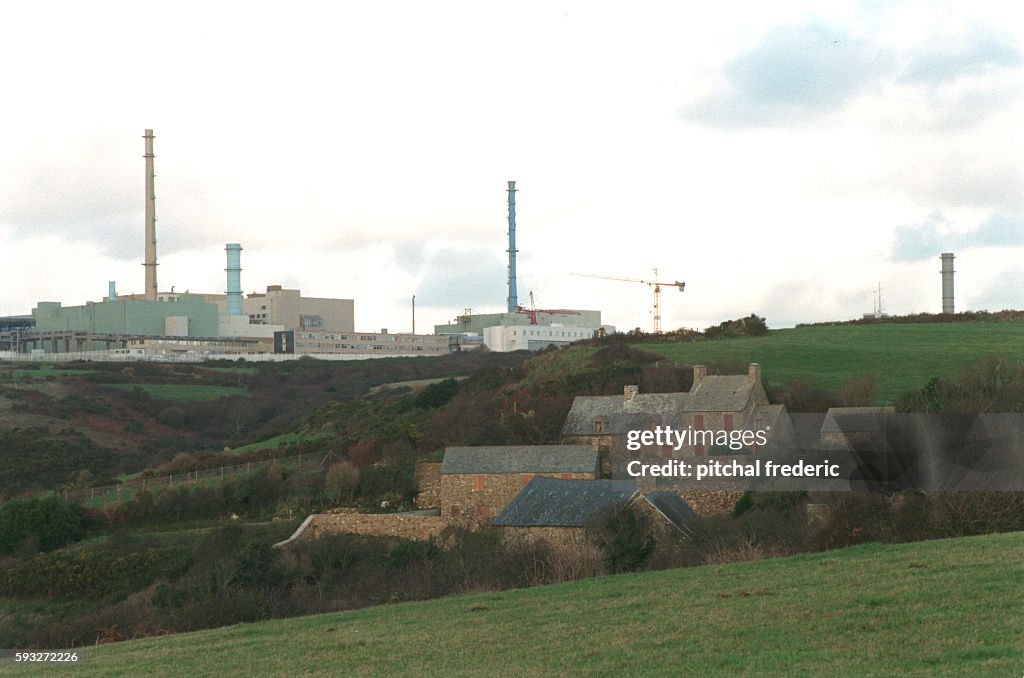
x=552, y=502
x=675, y=509
x=729, y=393
x=489, y=459
x=621, y=416
x=847, y=419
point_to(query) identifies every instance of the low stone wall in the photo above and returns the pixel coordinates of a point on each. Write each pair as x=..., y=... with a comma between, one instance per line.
x=428, y=480
x=711, y=502
x=400, y=525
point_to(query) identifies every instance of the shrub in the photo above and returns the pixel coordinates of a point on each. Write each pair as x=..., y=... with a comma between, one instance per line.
x=625, y=537
x=49, y=521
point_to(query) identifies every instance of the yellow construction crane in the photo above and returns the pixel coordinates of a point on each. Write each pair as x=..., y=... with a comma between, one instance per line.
x=656, y=284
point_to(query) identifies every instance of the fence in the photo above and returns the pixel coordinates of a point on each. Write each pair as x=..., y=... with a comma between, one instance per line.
x=97, y=496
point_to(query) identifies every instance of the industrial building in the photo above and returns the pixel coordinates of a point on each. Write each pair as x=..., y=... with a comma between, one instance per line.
x=520, y=328
x=185, y=325
x=288, y=308
x=384, y=344
x=503, y=338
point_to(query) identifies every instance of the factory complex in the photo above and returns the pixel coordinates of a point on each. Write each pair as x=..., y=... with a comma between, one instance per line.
x=278, y=324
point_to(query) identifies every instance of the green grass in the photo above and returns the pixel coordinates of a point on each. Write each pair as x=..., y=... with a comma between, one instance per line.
x=279, y=440
x=233, y=370
x=557, y=364
x=952, y=607
x=902, y=357
x=185, y=391
x=44, y=370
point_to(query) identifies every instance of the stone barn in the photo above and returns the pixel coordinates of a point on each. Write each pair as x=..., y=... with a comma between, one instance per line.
x=478, y=482
x=713, y=405
x=555, y=509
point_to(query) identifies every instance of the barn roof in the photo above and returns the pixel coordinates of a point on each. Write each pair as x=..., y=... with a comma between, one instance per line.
x=675, y=509
x=553, y=502
x=488, y=459
x=730, y=393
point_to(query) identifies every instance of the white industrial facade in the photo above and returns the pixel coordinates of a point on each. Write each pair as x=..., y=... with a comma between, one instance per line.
x=503, y=338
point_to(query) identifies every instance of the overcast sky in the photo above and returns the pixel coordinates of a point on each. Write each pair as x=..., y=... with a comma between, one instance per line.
x=780, y=158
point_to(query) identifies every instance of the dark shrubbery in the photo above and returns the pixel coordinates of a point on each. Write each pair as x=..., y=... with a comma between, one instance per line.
x=751, y=326
x=624, y=536
x=49, y=522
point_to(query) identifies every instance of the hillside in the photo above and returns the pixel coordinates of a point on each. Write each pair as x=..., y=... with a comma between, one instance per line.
x=901, y=356
x=930, y=608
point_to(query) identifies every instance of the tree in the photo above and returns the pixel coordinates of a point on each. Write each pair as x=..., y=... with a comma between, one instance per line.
x=51, y=522
x=624, y=535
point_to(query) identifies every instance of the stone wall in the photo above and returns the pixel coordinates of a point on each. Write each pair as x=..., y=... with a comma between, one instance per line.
x=710, y=502
x=401, y=525
x=484, y=496
x=428, y=480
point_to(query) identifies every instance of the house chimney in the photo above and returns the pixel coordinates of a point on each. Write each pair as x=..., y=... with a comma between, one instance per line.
x=629, y=393
x=699, y=372
x=754, y=372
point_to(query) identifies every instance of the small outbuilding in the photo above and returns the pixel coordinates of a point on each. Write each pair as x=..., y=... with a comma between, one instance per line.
x=560, y=509
x=480, y=481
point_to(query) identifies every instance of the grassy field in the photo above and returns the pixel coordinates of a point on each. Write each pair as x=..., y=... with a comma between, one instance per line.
x=277, y=441
x=902, y=357
x=40, y=371
x=185, y=391
x=952, y=607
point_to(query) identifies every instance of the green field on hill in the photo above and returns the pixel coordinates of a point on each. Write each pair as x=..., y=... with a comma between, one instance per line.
x=950, y=607
x=902, y=357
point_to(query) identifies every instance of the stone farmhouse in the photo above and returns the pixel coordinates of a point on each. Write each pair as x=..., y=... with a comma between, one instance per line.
x=478, y=482
x=559, y=510
x=846, y=428
x=713, y=403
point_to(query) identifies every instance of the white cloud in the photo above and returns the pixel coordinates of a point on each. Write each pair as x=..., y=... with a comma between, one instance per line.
x=362, y=151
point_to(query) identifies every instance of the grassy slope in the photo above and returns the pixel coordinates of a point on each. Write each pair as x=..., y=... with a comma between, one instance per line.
x=185, y=391
x=902, y=357
x=931, y=608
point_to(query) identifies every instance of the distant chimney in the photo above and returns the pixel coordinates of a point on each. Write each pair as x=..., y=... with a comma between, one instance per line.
x=699, y=372
x=234, y=271
x=754, y=372
x=947, y=282
x=629, y=393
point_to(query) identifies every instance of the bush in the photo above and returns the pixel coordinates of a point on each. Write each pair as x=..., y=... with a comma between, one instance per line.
x=49, y=521
x=625, y=537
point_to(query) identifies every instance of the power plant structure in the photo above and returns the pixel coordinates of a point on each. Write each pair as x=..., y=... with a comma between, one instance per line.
x=519, y=328
x=947, y=282
x=280, y=323
x=513, y=297
x=151, y=288
x=234, y=271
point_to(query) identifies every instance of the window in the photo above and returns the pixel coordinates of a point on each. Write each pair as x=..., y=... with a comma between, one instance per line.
x=482, y=511
x=478, y=483
x=566, y=476
x=698, y=422
x=456, y=510
x=727, y=419
x=599, y=425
